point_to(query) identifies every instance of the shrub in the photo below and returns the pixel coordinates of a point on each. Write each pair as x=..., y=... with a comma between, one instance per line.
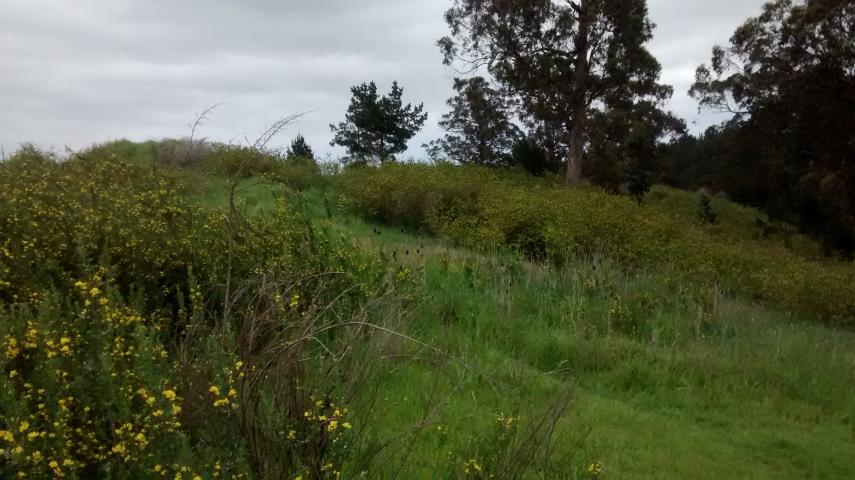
x=241, y=162
x=118, y=352
x=297, y=172
x=486, y=209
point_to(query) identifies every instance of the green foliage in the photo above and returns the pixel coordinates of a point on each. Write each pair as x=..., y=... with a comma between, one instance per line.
x=480, y=208
x=116, y=361
x=569, y=63
x=241, y=162
x=145, y=331
x=300, y=149
x=376, y=128
x=352, y=350
x=528, y=154
x=479, y=127
x=787, y=79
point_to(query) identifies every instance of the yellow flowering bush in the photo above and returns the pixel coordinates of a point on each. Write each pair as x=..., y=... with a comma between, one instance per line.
x=115, y=359
x=87, y=388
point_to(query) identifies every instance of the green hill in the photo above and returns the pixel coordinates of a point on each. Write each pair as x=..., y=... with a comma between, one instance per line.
x=412, y=321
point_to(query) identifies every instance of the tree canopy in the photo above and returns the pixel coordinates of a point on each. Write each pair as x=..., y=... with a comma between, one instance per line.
x=479, y=127
x=565, y=60
x=377, y=127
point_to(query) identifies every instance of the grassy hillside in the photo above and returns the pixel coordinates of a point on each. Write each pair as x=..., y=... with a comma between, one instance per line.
x=451, y=340
x=485, y=209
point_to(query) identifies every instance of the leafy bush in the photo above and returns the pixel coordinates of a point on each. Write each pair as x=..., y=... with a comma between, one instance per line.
x=297, y=172
x=482, y=208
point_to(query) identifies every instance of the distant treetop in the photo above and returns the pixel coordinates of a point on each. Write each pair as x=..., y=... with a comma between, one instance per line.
x=300, y=149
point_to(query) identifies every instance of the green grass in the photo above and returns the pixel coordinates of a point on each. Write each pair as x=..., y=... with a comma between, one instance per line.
x=770, y=399
x=752, y=393
x=663, y=380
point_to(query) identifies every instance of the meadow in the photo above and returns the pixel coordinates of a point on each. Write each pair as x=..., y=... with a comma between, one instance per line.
x=232, y=314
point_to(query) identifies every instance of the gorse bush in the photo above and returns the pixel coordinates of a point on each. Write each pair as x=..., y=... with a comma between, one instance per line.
x=58, y=219
x=486, y=209
x=88, y=390
x=124, y=355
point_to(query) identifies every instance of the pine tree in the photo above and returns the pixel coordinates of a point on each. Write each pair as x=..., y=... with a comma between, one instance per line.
x=375, y=127
x=300, y=149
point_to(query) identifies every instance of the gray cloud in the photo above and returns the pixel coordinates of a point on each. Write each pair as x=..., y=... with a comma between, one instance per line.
x=75, y=73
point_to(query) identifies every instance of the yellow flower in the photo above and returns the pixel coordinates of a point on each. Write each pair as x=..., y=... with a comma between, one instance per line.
x=169, y=394
x=24, y=426
x=215, y=390
x=471, y=466
x=332, y=425
x=12, y=349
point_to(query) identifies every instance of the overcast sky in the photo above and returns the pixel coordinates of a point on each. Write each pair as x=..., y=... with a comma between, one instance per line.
x=73, y=73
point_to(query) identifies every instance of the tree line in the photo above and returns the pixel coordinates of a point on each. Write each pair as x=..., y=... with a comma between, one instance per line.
x=570, y=87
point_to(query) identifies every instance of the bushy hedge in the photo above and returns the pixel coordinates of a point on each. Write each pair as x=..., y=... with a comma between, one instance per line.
x=486, y=209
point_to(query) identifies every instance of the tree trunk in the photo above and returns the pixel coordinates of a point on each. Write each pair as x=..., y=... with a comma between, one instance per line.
x=580, y=102
x=575, y=154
